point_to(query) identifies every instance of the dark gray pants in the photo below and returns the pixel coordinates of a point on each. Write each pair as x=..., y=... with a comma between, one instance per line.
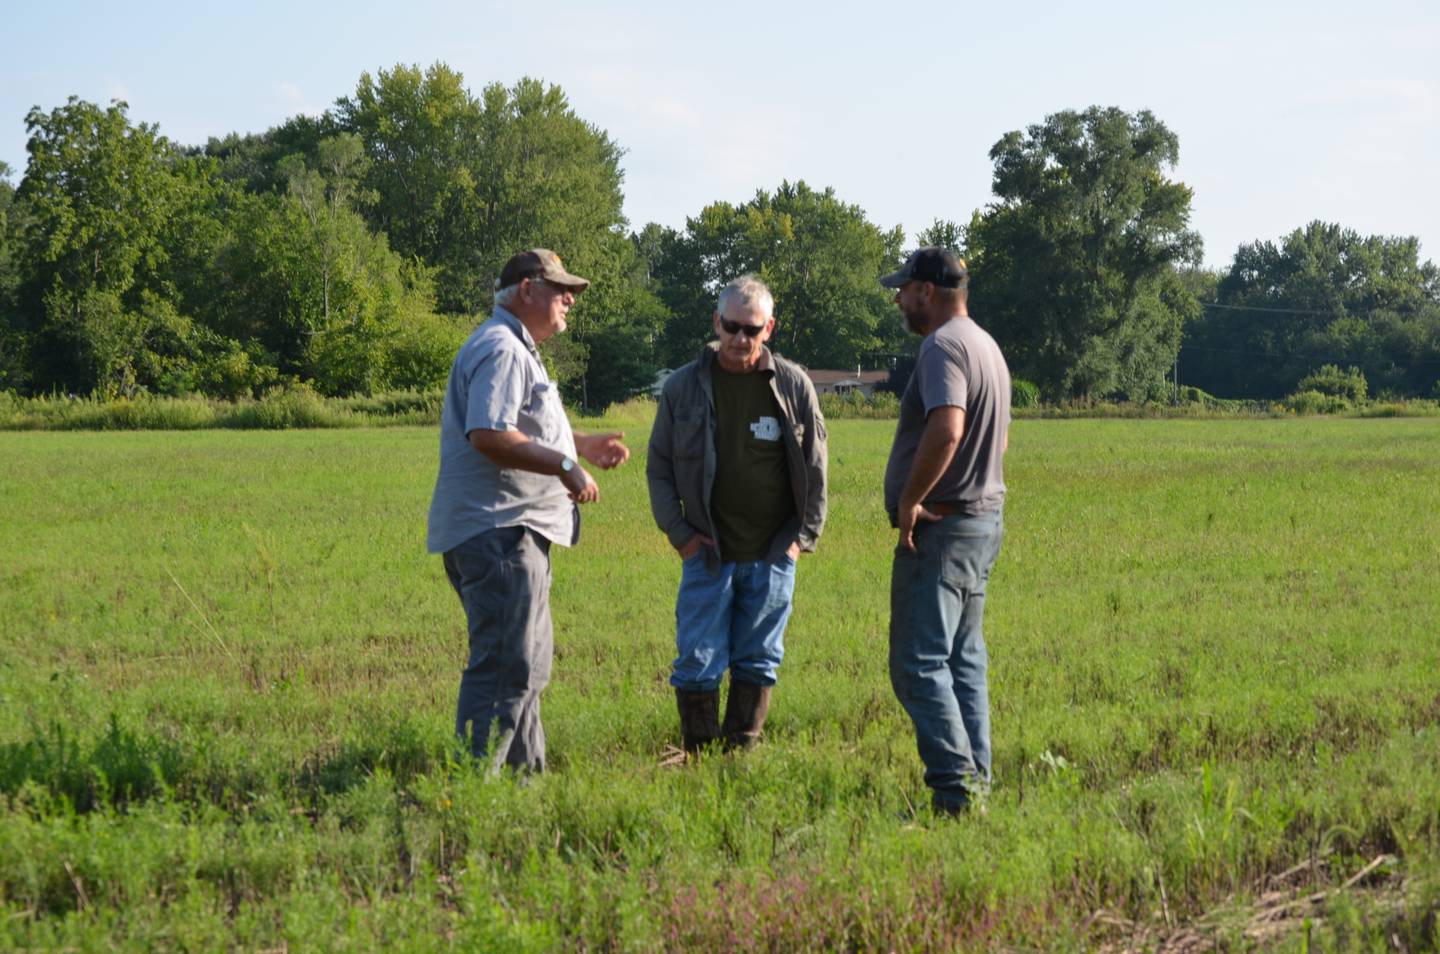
x=503, y=578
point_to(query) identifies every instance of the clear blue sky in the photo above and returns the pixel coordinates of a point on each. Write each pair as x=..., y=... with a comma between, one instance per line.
x=1286, y=112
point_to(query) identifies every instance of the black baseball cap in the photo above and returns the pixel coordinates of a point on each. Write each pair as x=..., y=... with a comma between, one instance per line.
x=933, y=264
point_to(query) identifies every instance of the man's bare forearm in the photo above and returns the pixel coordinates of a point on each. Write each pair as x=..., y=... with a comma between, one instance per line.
x=943, y=430
x=512, y=449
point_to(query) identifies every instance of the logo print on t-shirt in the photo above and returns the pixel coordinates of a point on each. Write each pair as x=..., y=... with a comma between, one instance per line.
x=766, y=429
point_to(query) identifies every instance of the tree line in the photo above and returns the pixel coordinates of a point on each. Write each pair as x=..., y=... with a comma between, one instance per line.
x=354, y=251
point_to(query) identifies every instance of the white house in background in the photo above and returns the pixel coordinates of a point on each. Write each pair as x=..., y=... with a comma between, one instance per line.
x=842, y=382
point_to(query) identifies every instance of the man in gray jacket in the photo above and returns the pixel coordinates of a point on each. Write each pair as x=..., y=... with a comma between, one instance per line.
x=737, y=483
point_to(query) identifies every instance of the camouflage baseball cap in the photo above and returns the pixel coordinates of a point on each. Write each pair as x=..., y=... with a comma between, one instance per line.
x=539, y=263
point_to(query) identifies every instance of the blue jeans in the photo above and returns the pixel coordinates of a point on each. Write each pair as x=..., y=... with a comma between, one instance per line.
x=732, y=619
x=938, y=663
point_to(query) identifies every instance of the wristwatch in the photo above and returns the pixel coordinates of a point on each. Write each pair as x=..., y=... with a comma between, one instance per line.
x=567, y=464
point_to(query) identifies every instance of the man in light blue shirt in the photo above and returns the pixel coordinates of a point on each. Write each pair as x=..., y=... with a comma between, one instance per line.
x=509, y=487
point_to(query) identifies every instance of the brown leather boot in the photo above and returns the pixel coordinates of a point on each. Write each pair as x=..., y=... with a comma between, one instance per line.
x=699, y=718
x=745, y=713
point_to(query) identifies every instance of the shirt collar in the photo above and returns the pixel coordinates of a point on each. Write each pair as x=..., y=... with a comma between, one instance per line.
x=506, y=318
x=765, y=365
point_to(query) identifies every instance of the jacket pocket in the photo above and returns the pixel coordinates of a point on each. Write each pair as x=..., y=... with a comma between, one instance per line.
x=688, y=436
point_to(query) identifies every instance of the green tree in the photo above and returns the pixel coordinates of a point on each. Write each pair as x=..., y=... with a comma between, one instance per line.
x=821, y=257
x=98, y=192
x=546, y=177
x=10, y=219
x=314, y=292
x=619, y=329
x=327, y=193
x=1322, y=295
x=252, y=161
x=122, y=287
x=463, y=182
x=678, y=274
x=422, y=133
x=1074, y=263
x=14, y=348
x=946, y=234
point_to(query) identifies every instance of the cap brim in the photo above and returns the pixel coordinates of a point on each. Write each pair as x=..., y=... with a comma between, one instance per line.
x=895, y=279
x=569, y=281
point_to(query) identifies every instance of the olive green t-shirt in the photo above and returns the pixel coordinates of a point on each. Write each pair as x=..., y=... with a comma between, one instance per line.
x=752, y=498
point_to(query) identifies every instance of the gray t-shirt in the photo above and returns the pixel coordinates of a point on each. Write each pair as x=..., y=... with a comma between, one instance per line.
x=497, y=383
x=959, y=365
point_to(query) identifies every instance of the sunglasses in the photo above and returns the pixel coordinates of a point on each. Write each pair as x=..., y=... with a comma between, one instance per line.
x=738, y=328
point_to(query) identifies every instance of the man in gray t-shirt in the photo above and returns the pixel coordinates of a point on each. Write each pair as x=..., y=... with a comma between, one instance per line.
x=944, y=491
x=507, y=490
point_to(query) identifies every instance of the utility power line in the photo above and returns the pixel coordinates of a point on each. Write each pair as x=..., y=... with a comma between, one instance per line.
x=1339, y=310
x=1333, y=358
x=1287, y=311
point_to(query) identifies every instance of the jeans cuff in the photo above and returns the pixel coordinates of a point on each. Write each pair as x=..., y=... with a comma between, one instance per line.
x=712, y=686
x=750, y=679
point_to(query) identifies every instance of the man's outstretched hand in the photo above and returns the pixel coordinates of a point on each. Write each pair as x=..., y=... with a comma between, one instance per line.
x=603, y=450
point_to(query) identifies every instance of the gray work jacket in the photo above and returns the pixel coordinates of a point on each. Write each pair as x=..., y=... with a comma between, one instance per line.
x=681, y=464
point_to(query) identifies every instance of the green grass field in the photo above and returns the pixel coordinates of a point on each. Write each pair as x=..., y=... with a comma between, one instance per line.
x=228, y=669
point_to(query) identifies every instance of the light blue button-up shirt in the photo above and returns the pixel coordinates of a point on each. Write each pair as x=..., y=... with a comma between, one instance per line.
x=498, y=383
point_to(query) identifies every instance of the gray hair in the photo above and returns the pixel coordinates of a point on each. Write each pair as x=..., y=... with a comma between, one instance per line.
x=505, y=297
x=748, y=290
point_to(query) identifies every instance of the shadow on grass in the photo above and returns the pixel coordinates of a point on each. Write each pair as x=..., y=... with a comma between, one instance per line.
x=123, y=766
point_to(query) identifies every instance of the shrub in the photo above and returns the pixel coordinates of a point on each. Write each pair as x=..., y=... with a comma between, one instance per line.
x=421, y=352
x=396, y=407
x=173, y=414
x=96, y=413
x=1314, y=402
x=232, y=373
x=285, y=407
x=639, y=408
x=1024, y=393
x=854, y=404
x=1193, y=395
x=1400, y=408
x=10, y=405
x=1349, y=385
x=122, y=765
